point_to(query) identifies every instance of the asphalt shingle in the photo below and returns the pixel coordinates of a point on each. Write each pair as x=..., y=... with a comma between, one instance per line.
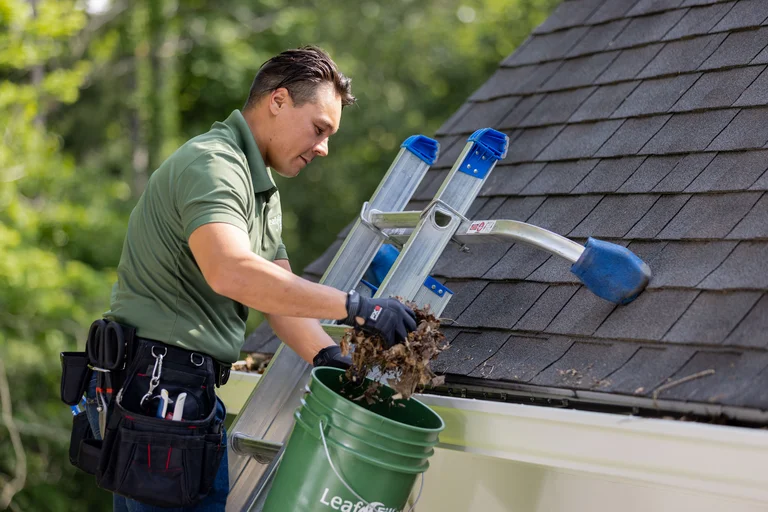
x=586, y=365
x=546, y=307
x=609, y=11
x=568, y=14
x=685, y=264
x=515, y=116
x=599, y=38
x=684, y=172
x=633, y=320
x=689, y=132
x=562, y=214
x=518, y=263
x=579, y=140
x=614, y=216
x=629, y=63
x=608, y=175
x=556, y=107
x=751, y=330
x=726, y=374
x=711, y=317
x=738, y=49
x=650, y=6
x=484, y=115
x=717, y=89
x=506, y=81
x=473, y=264
x=501, y=304
x=510, y=179
x=699, y=20
x=554, y=270
x=632, y=136
x=746, y=268
x=756, y=93
x=709, y=216
x=681, y=56
x=663, y=211
x=582, y=315
x=749, y=129
x=650, y=173
x=603, y=101
x=530, y=142
x=648, y=368
x=464, y=292
x=517, y=208
x=446, y=127
x=579, y=71
x=731, y=171
x=522, y=358
x=755, y=224
x=646, y=29
x=746, y=13
x=655, y=96
x=559, y=177
x=546, y=47
x=468, y=350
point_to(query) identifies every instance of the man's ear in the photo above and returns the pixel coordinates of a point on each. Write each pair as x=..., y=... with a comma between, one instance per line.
x=278, y=100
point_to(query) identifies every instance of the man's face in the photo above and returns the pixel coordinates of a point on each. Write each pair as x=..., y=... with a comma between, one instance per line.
x=301, y=133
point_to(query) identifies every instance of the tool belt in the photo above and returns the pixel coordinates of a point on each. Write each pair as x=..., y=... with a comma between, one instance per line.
x=151, y=452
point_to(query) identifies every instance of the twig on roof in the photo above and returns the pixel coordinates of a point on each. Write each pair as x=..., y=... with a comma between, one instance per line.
x=683, y=380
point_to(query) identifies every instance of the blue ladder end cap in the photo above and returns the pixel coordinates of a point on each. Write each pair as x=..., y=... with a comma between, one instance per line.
x=423, y=147
x=493, y=141
x=611, y=272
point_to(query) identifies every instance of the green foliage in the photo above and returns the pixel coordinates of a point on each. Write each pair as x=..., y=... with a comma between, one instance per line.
x=91, y=103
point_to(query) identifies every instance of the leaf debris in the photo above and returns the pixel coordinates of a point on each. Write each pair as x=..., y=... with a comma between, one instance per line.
x=407, y=361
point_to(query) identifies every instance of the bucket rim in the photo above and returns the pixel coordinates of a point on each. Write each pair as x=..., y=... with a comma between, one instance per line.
x=338, y=371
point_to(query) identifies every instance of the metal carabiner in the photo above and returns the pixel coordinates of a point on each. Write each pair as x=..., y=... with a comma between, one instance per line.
x=157, y=371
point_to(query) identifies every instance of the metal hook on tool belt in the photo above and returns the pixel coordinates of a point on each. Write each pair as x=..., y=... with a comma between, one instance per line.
x=157, y=371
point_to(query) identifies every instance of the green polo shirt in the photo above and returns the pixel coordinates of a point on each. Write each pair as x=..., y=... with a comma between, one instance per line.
x=218, y=176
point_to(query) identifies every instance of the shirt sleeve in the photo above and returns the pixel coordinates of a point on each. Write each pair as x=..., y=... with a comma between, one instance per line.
x=213, y=188
x=282, y=253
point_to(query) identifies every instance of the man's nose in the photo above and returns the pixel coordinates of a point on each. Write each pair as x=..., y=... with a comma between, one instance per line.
x=321, y=149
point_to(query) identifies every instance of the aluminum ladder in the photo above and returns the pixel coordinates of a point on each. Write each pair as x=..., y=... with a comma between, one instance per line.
x=263, y=425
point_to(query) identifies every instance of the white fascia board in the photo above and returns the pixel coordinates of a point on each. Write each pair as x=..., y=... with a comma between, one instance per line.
x=716, y=459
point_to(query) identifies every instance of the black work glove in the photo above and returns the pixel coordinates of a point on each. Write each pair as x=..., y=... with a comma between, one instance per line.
x=331, y=356
x=388, y=318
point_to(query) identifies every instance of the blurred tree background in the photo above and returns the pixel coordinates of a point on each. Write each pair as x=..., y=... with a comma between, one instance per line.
x=95, y=94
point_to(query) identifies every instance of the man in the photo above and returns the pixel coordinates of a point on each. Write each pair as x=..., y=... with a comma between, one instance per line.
x=204, y=241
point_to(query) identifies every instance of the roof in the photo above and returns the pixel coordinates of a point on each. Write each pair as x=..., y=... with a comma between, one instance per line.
x=643, y=123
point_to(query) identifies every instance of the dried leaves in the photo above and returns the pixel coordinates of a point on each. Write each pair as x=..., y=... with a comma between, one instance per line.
x=255, y=363
x=408, y=362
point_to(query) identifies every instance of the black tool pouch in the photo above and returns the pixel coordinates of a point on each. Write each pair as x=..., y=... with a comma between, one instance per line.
x=84, y=450
x=74, y=376
x=158, y=461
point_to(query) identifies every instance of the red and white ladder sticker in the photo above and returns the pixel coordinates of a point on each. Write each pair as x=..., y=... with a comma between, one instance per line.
x=481, y=226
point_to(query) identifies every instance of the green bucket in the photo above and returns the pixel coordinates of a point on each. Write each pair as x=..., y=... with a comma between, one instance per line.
x=351, y=456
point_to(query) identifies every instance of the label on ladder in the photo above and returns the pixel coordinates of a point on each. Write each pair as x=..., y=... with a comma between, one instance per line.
x=481, y=226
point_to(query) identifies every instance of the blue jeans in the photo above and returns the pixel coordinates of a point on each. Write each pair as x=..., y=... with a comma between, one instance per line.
x=216, y=500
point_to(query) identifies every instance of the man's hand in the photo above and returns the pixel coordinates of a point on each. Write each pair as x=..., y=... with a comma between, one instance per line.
x=387, y=317
x=331, y=356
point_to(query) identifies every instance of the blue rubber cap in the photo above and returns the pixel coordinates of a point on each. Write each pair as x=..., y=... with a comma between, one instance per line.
x=423, y=147
x=493, y=141
x=611, y=272
x=380, y=265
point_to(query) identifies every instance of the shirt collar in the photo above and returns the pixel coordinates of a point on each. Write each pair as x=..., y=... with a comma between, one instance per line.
x=260, y=175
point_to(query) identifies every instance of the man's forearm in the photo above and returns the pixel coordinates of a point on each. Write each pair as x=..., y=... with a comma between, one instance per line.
x=304, y=335
x=261, y=285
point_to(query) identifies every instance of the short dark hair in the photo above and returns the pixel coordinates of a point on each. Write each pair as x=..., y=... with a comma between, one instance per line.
x=300, y=71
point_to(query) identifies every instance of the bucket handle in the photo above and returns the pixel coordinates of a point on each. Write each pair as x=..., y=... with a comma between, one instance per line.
x=349, y=488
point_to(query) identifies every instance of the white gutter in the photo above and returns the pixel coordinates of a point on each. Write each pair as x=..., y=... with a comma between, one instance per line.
x=729, y=461
x=724, y=460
